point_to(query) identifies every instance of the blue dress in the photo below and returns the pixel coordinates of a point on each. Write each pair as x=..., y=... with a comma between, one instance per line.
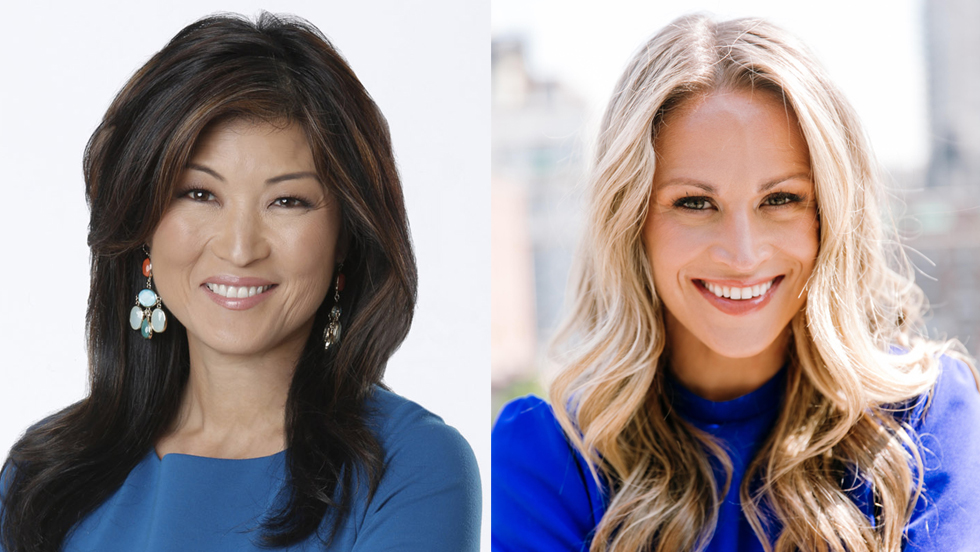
x=545, y=499
x=428, y=499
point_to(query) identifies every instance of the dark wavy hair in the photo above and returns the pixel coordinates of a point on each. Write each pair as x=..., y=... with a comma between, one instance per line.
x=279, y=68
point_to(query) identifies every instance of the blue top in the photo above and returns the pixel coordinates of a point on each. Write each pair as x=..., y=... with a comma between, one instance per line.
x=544, y=497
x=428, y=499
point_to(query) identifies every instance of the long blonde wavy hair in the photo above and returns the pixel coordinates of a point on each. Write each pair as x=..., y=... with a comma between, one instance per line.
x=856, y=350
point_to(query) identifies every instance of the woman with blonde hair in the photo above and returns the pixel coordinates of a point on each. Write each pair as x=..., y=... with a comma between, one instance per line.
x=743, y=365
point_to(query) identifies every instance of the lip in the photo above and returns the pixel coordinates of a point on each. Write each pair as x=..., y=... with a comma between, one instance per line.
x=740, y=283
x=239, y=281
x=243, y=303
x=738, y=307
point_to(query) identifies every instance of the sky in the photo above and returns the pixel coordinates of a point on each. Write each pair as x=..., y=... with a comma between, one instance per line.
x=872, y=49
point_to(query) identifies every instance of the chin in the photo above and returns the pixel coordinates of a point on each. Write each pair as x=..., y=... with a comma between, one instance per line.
x=236, y=347
x=232, y=343
x=740, y=345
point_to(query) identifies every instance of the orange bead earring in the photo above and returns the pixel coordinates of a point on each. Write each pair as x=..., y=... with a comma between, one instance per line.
x=147, y=315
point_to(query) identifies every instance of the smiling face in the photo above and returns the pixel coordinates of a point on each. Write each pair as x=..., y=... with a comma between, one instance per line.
x=243, y=256
x=732, y=228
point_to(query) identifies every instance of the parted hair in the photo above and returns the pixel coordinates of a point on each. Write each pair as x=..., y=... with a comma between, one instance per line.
x=279, y=69
x=857, y=358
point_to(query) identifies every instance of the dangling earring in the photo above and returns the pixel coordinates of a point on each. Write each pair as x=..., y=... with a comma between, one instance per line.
x=148, y=316
x=331, y=334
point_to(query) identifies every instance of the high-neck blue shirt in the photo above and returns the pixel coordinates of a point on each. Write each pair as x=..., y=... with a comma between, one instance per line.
x=428, y=498
x=545, y=499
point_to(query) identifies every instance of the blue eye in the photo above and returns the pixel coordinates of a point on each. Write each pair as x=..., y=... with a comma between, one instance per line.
x=693, y=203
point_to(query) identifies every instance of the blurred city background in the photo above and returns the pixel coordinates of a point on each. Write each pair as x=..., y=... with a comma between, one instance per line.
x=910, y=67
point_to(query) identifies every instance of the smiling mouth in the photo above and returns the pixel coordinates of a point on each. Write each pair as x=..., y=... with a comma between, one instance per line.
x=237, y=292
x=738, y=293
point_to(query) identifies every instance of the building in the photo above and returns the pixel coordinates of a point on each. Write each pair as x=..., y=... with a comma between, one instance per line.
x=537, y=168
x=943, y=212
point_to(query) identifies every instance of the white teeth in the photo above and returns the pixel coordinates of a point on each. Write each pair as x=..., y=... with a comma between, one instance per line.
x=736, y=293
x=233, y=292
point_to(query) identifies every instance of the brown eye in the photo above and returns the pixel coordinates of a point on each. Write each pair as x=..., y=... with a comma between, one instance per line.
x=291, y=202
x=199, y=195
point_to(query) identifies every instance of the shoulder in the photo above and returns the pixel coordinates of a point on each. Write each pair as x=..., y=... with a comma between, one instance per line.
x=523, y=416
x=946, y=427
x=543, y=494
x=945, y=422
x=957, y=382
x=954, y=399
x=528, y=427
x=527, y=438
x=429, y=495
x=410, y=433
x=391, y=410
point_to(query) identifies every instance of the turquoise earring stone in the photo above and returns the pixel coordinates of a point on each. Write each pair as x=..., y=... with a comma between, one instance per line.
x=136, y=318
x=140, y=317
x=158, y=320
x=147, y=298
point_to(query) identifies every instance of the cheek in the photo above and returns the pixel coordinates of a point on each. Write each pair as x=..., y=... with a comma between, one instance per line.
x=309, y=249
x=801, y=242
x=669, y=246
x=175, y=247
x=176, y=242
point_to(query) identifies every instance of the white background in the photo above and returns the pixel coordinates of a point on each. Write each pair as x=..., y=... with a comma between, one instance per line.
x=425, y=63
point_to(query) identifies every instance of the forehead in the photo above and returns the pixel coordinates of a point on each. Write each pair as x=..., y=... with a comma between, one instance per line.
x=252, y=143
x=730, y=136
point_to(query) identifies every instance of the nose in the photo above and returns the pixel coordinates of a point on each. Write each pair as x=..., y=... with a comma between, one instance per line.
x=743, y=243
x=240, y=237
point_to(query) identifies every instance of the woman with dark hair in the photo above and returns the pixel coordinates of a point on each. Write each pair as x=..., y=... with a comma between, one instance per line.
x=252, y=272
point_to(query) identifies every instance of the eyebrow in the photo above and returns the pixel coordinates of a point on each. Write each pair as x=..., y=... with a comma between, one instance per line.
x=273, y=180
x=712, y=190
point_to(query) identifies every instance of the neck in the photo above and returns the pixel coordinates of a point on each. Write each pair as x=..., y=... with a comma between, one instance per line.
x=234, y=406
x=716, y=377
